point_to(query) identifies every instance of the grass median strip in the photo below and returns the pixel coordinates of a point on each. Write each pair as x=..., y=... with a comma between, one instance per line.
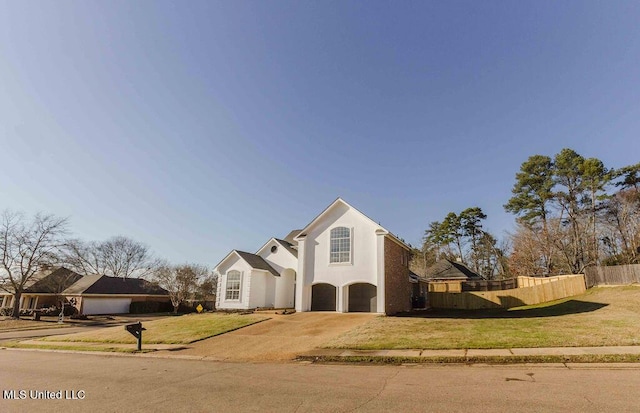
x=81, y=347
x=171, y=330
x=395, y=360
x=607, y=316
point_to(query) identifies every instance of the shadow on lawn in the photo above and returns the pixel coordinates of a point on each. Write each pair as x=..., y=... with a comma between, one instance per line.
x=567, y=307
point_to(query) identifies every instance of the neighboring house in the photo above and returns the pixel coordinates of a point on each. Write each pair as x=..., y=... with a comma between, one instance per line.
x=44, y=289
x=447, y=270
x=100, y=294
x=448, y=276
x=341, y=261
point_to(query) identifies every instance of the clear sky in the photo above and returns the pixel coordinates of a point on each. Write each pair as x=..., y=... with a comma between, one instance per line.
x=199, y=127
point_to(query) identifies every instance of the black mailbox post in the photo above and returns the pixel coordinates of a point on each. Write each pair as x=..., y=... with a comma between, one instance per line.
x=136, y=330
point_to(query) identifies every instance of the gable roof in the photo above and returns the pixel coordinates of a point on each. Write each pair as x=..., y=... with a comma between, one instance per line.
x=50, y=281
x=450, y=270
x=54, y=282
x=291, y=237
x=288, y=246
x=82, y=284
x=303, y=232
x=102, y=284
x=257, y=262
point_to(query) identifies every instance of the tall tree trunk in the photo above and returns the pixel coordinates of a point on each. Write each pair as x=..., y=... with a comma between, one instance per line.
x=16, y=305
x=595, y=236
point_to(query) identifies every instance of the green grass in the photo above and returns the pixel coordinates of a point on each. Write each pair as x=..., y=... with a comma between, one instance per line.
x=170, y=330
x=9, y=324
x=600, y=317
x=583, y=358
x=110, y=349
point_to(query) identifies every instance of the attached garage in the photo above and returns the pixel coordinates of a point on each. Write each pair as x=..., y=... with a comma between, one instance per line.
x=323, y=297
x=100, y=294
x=363, y=298
x=92, y=306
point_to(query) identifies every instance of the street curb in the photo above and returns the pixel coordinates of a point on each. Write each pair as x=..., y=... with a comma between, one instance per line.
x=474, y=360
x=529, y=362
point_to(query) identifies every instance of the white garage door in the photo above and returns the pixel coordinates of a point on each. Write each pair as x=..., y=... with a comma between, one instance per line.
x=105, y=305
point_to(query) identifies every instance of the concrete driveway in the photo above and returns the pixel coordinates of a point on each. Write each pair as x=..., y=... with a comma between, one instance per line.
x=278, y=339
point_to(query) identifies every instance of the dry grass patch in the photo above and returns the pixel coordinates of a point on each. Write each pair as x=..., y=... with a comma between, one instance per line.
x=608, y=316
x=170, y=330
x=9, y=324
x=88, y=347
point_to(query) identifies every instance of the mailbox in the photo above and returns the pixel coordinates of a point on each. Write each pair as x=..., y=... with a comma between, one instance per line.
x=136, y=330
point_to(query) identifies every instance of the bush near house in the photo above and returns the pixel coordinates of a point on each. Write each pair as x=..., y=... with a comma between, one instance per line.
x=147, y=307
x=6, y=311
x=54, y=310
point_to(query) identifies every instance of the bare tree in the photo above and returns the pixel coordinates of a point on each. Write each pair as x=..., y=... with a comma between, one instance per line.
x=622, y=227
x=117, y=257
x=207, y=287
x=181, y=281
x=26, y=246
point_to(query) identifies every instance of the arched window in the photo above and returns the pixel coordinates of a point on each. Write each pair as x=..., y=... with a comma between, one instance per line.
x=234, y=284
x=340, y=245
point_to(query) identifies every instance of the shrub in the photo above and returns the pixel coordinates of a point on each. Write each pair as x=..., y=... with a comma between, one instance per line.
x=53, y=310
x=144, y=307
x=185, y=308
x=69, y=310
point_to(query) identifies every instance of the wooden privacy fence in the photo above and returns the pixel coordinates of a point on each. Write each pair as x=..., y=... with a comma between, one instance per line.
x=453, y=286
x=614, y=275
x=490, y=285
x=532, y=291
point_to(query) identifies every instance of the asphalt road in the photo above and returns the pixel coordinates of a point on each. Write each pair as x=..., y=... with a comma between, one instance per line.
x=108, y=383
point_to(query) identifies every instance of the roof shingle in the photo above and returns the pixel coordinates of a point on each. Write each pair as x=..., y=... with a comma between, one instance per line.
x=257, y=262
x=102, y=284
x=450, y=270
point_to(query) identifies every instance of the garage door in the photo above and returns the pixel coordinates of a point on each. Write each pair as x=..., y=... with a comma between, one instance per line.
x=323, y=297
x=363, y=298
x=105, y=305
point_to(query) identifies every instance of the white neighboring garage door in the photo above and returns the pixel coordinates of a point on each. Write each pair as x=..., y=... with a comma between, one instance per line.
x=105, y=305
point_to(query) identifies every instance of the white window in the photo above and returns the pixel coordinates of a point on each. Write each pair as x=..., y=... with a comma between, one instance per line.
x=234, y=283
x=340, y=245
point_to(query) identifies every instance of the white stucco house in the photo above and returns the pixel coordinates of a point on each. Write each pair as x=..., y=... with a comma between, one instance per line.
x=341, y=261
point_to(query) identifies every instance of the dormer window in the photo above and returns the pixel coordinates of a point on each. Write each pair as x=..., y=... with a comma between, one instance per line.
x=340, y=245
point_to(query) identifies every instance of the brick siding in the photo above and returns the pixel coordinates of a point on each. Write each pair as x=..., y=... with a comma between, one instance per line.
x=396, y=273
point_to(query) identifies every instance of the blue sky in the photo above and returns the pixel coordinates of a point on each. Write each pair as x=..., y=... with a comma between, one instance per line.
x=198, y=127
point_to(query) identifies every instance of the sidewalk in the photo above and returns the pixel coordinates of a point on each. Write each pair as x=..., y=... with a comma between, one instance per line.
x=627, y=353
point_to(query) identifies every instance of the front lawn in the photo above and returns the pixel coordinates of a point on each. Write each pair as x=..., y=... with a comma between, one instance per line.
x=607, y=316
x=170, y=330
x=9, y=324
